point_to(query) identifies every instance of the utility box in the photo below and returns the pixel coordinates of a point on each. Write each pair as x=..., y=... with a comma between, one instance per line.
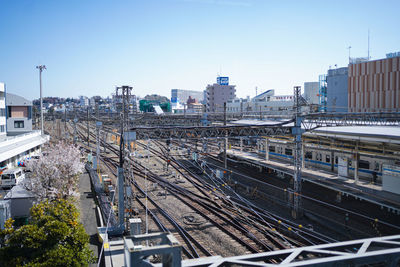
x=21, y=201
x=134, y=224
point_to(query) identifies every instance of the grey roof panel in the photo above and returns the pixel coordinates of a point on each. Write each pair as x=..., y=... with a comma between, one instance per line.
x=15, y=100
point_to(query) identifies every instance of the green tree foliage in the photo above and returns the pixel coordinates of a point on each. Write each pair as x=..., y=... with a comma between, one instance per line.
x=53, y=237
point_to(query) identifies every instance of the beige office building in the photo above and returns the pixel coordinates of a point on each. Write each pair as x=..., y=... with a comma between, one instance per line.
x=217, y=95
x=374, y=86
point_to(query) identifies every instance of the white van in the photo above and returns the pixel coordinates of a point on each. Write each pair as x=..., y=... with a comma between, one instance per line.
x=9, y=178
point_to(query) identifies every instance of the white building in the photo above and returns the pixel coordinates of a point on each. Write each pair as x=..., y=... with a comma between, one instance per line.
x=264, y=102
x=181, y=96
x=92, y=102
x=15, y=149
x=3, y=121
x=83, y=101
x=311, y=92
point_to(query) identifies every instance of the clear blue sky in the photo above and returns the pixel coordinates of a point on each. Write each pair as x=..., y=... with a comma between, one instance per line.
x=156, y=45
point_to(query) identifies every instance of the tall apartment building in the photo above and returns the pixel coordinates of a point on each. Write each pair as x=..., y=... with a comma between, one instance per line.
x=219, y=93
x=374, y=86
x=181, y=96
x=3, y=130
x=337, y=90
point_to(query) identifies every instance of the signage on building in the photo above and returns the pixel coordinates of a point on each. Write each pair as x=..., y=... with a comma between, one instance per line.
x=223, y=80
x=174, y=99
x=391, y=55
x=283, y=98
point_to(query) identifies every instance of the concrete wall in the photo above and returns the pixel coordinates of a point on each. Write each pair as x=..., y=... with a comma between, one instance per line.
x=311, y=90
x=12, y=130
x=337, y=90
x=18, y=114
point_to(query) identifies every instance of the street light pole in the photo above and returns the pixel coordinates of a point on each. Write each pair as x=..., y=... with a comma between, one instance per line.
x=41, y=68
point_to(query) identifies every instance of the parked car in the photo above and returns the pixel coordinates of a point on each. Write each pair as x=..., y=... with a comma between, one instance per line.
x=10, y=178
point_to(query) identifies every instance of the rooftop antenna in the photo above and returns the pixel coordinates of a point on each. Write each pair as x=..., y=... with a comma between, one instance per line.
x=349, y=52
x=256, y=91
x=368, y=45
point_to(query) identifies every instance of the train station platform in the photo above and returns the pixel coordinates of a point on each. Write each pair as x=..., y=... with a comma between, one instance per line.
x=363, y=190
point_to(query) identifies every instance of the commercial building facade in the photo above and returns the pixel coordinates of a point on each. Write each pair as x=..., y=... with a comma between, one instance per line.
x=337, y=90
x=374, y=86
x=217, y=94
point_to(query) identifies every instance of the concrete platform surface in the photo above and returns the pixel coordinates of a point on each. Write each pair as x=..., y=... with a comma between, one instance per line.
x=88, y=213
x=362, y=190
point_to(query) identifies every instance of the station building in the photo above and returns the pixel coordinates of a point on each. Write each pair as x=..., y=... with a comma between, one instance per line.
x=18, y=141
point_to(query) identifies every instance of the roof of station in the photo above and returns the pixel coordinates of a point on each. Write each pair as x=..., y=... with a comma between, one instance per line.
x=361, y=133
x=262, y=122
x=368, y=133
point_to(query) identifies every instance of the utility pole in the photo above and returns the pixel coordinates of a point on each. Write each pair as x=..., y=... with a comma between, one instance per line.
x=65, y=121
x=125, y=96
x=297, y=205
x=225, y=139
x=87, y=124
x=75, y=130
x=349, y=53
x=41, y=68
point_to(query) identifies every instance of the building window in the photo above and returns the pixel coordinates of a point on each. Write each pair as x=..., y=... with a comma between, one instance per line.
x=2, y=129
x=18, y=124
x=2, y=112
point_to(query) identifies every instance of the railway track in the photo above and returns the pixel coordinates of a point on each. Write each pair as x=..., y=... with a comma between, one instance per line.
x=275, y=221
x=251, y=229
x=189, y=242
